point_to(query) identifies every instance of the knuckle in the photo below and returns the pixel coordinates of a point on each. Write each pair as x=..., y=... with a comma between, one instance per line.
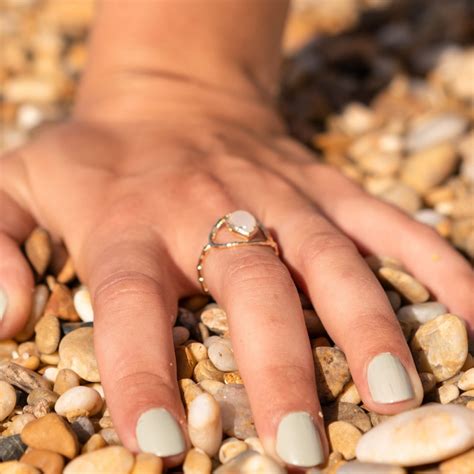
x=252, y=268
x=201, y=184
x=322, y=244
x=125, y=283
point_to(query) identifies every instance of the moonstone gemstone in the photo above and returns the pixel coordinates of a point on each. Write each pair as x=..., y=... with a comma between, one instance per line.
x=425, y=435
x=242, y=222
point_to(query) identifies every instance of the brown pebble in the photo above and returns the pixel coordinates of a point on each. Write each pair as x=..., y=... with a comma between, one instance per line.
x=53, y=433
x=461, y=464
x=48, y=334
x=343, y=438
x=405, y=284
x=147, y=463
x=94, y=443
x=197, y=462
x=205, y=369
x=16, y=467
x=65, y=380
x=233, y=377
x=42, y=394
x=47, y=461
x=110, y=460
x=332, y=372
x=38, y=249
x=60, y=304
x=185, y=362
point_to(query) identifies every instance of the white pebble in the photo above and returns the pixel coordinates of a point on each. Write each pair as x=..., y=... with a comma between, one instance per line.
x=222, y=355
x=78, y=401
x=83, y=304
x=421, y=312
x=205, y=424
x=425, y=435
x=51, y=373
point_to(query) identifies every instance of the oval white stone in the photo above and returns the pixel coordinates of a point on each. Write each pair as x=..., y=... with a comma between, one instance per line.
x=427, y=434
x=83, y=304
x=421, y=312
x=242, y=222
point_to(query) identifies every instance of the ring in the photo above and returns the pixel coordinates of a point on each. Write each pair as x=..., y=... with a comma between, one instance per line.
x=244, y=225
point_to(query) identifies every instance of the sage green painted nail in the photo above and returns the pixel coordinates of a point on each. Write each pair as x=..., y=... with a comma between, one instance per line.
x=159, y=433
x=298, y=442
x=388, y=380
x=3, y=302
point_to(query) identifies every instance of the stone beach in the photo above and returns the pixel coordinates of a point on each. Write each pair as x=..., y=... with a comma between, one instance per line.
x=383, y=95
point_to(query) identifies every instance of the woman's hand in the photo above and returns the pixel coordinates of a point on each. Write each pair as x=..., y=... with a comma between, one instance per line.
x=133, y=191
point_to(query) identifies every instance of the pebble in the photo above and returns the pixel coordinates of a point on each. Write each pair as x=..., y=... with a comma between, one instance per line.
x=205, y=423
x=222, y=356
x=11, y=448
x=180, y=335
x=332, y=372
x=357, y=467
x=447, y=393
x=205, y=369
x=440, y=346
x=231, y=448
x=84, y=428
x=52, y=433
x=435, y=130
x=48, y=334
x=190, y=391
x=343, y=438
x=215, y=319
x=198, y=351
x=348, y=412
x=94, y=443
x=405, y=284
x=421, y=312
x=39, y=394
x=110, y=460
x=429, y=167
x=110, y=436
x=50, y=373
x=76, y=352
x=462, y=464
x=78, y=401
x=402, y=196
x=7, y=400
x=254, y=443
x=197, y=462
x=16, y=467
x=425, y=435
x=350, y=394
x=211, y=340
x=38, y=249
x=466, y=382
x=211, y=386
x=66, y=328
x=237, y=419
x=19, y=422
x=21, y=377
x=250, y=462
x=185, y=362
x=60, y=304
x=46, y=461
x=428, y=381
x=65, y=380
x=147, y=463
x=233, y=377
x=83, y=304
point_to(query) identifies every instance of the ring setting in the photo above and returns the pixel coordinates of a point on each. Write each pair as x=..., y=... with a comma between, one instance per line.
x=246, y=226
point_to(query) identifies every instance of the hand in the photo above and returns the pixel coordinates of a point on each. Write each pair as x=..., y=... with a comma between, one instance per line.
x=134, y=191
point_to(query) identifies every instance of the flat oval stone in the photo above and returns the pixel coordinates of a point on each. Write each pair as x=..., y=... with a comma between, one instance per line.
x=110, y=460
x=425, y=435
x=21, y=377
x=421, y=312
x=440, y=346
x=215, y=319
x=78, y=401
x=222, y=355
x=76, y=352
x=48, y=334
x=357, y=467
x=405, y=284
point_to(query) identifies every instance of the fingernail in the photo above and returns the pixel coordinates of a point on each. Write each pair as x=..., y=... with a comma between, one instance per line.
x=3, y=302
x=298, y=442
x=159, y=433
x=388, y=380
